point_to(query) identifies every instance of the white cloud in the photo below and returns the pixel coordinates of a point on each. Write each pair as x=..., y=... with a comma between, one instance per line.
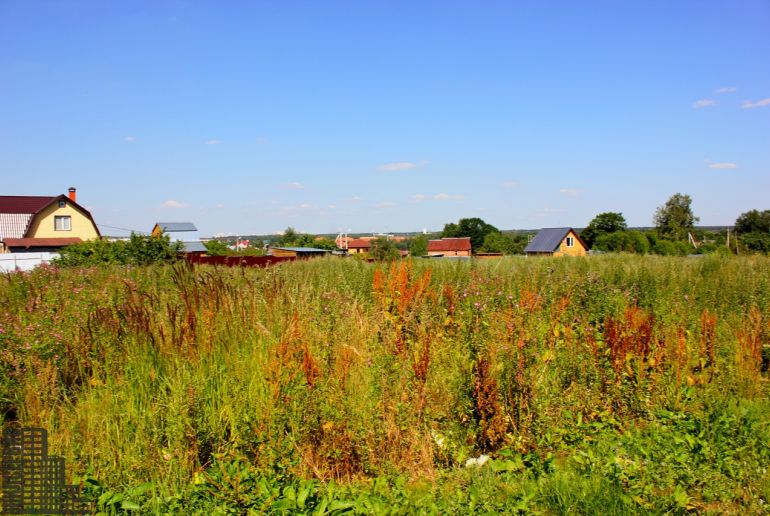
x=727, y=89
x=213, y=142
x=418, y=197
x=294, y=185
x=723, y=165
x=261, y=140
x=355, y=198
x=747, y=104
x=130, y=139
x=702, y=103
x=446, y=197
x=509, y=184
x=570, y=192
x=171, y=203
x=385, y=204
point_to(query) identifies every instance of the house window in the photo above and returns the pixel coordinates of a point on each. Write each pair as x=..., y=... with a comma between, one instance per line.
x=570, y=241
x=62, y=223
x=62, y=204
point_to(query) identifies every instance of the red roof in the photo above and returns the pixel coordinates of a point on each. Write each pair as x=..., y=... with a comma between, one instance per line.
x=359, y=243
x=450, y=244
x=24, y=203
x=40, y=242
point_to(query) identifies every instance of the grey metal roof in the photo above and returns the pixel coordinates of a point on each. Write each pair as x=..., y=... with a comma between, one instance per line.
x=168, y=227
x=303, y=249
x=194, y=247
x=547, y=240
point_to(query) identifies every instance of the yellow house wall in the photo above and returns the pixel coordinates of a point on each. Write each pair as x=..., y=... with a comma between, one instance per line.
x=80, y=226
x=358, y=250
x=576, y=250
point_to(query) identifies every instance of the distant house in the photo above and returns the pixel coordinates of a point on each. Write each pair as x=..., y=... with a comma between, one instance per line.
x=297, y=252
x=556, y=242
x=359, y=245
x=450, y=247
x=38, y=223
x=184, y=232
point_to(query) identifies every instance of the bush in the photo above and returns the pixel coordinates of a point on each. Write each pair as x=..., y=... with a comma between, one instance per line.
x=138, y=250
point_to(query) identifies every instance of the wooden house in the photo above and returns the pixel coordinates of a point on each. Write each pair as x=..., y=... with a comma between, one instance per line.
x=556, y=242
x=450, y=247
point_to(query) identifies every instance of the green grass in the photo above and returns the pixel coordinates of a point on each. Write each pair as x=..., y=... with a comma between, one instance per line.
x=606, y=385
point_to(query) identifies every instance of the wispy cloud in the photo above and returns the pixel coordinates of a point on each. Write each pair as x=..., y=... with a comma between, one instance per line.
x=747, y=104
x=130, y=139
x=261, y=140
x=446, y=197
x=509, y=184
x=726, y=89
x=570, y=192
x=401, y=165
x=213, y=142
x=702, y=103
x=355, y=198
x=418, y=197
x=171, y=203
x=723, y=166
x=294, y=185
x=385, y=204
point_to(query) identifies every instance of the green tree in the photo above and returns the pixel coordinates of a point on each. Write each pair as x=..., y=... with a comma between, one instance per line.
x=289, y=237
x=504, y=243
x=418, y=246
x=216, y=248
x=675, y=218
x=607, y=222
x=753, y=221
x=475, y=228
x=383, y=249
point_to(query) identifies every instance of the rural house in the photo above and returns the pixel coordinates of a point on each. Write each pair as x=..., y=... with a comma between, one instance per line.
x=450, y=247
x=359, y=245
x=37, y=223
x=556, y=242
x=184, y=232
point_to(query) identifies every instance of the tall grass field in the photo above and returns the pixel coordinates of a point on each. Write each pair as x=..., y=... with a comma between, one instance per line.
x=604, y=385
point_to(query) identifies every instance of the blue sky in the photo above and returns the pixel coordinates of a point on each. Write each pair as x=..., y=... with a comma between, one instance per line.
x=248, y=117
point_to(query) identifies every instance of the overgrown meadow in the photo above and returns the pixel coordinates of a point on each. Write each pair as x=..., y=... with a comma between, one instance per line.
x=611, y=384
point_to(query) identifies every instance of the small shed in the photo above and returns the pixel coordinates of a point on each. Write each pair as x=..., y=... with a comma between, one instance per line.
x=556, y=242
x=297, y=252
x=184, y=232
x=450, y=247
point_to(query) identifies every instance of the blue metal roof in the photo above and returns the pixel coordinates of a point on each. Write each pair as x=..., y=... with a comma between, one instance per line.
x=168, y=227
x=547, y=240
x=194, y=247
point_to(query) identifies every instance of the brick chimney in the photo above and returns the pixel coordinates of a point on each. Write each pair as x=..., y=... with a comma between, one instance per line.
x=73, y=194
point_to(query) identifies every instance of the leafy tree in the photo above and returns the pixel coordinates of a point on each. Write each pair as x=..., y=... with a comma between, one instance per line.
x=504, y=243
x=753, y=221
x=418, y=246
x=675, y=218
x=383, y=249
x=475, y=228
x=289, y=237
x=216, y=248
x=756, y=241
x=607, y=222
x=138, y=250
x=623, y=242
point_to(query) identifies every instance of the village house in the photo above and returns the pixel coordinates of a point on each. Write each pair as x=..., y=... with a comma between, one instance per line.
x=43, y=224
x=358, y=245
x=184, y=232
x=450, y=247
x=556, y=242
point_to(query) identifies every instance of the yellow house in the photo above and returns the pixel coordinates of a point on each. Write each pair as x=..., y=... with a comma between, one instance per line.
x=556, y=242
x=38, y=223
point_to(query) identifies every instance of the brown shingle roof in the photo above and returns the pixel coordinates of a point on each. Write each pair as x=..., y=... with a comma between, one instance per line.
x=24, y=203
x=450, y=244
x=40, y=242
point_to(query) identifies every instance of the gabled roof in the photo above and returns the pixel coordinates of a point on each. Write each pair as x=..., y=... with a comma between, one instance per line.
x=548, y=240
x=17, y=212
x=168, y=227
x=450, y=244
x=359, y=243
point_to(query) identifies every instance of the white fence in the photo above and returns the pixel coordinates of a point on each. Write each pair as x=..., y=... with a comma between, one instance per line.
x=10, y=262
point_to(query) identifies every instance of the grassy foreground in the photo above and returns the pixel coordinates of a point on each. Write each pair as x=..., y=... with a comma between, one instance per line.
x=614, y=384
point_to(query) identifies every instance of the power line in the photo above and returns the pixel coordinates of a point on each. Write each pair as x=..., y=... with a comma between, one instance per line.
x=124, y=229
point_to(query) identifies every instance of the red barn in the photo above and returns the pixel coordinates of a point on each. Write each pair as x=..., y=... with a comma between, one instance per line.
x=450, y=247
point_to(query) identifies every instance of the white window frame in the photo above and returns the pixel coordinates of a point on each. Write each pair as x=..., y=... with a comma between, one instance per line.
x=570, y=241
x=62, y=223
